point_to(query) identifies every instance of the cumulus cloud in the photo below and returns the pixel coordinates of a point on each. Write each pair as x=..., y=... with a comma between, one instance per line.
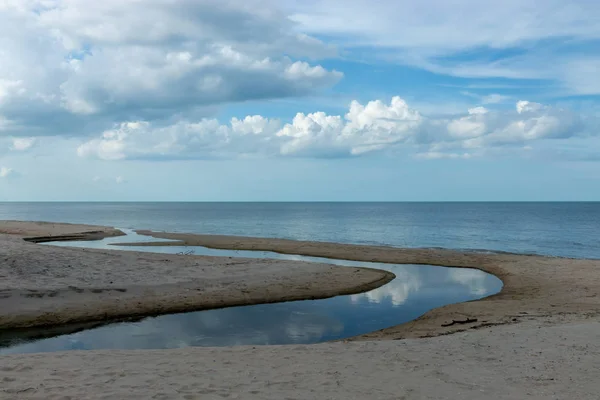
x=122, y=60
x=119, y=180
x=204, y=139
x=533, y=121
x=363, y=129
x=373, y=127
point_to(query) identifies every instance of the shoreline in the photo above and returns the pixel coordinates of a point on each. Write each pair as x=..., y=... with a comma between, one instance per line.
x=545, y=289
x=48, y=286
x=541, y=288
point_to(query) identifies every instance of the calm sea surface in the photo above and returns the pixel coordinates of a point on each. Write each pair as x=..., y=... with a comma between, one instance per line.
x=558, y=229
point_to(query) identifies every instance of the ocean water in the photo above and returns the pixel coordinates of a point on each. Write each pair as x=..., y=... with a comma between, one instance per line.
x=556, y=229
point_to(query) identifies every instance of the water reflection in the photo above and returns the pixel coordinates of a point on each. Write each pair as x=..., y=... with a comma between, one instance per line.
x=415, y=290
x=470, y=278
x=396, y=292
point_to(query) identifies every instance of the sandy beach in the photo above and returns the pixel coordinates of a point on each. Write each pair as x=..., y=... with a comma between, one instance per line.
x=537, y=339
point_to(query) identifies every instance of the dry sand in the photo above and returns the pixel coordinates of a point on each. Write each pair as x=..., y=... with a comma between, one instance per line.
x=48, y=285
x=524, y=361
x=547, y=347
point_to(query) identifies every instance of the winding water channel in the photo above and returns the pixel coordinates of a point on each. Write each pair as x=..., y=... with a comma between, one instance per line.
x=416, y=290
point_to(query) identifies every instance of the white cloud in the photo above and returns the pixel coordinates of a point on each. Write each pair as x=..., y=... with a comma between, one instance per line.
x=524, y=106
x=203, y=139
x=120, y=179
x=364, y=129
x=22, y=144
x=468, y=38
x=439, y=25
x=368, y=128
x=6, y=172
x=105, y=63
x=531, y=122
x=470, y=126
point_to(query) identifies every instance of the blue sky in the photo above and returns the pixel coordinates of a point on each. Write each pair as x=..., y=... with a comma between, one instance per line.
x=286, y=100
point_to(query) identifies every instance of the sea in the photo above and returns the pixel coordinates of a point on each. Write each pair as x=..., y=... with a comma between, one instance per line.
x=561, y=229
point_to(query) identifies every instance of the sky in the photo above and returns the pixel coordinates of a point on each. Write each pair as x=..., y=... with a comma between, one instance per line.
x=289, y=100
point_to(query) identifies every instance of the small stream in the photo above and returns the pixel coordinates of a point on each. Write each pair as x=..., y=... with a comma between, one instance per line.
x=416, y=290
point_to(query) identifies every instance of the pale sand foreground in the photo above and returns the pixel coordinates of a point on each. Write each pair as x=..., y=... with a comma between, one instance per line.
x=48, y=285
x=525, y=361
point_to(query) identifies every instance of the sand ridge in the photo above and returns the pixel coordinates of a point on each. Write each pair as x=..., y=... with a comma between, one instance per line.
x=39, y=231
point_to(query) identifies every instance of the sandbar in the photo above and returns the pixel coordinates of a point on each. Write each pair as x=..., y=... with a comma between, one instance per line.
x=45, y=285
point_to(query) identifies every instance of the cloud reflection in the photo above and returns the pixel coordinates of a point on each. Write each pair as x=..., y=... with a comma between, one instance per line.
x=473, y=279
x=251, y=325
x=397, y=291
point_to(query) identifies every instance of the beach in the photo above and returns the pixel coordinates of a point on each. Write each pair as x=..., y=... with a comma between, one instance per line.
x=289, y=200
x=537, y=338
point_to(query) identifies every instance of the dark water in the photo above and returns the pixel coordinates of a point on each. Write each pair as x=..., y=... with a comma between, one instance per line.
x=558, y=229
x=416, y=290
